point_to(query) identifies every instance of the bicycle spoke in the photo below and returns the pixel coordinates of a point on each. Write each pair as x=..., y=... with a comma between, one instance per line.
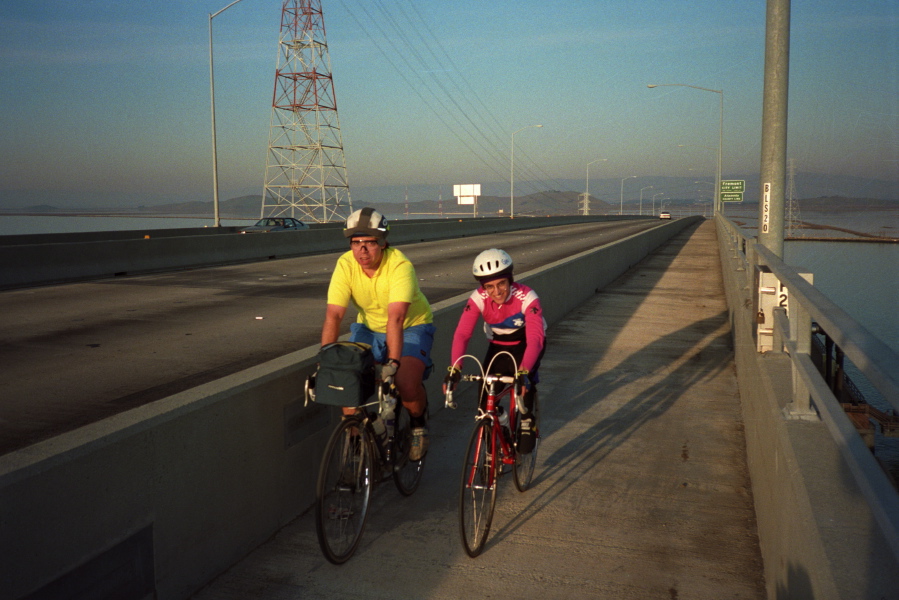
x=477, y=495
x=343, y=491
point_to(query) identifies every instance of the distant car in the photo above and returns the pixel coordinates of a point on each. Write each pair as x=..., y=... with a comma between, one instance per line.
x=664, y=215
x=275, y=224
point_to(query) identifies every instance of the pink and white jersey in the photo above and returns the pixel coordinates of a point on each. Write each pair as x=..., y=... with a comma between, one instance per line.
x=519, y=319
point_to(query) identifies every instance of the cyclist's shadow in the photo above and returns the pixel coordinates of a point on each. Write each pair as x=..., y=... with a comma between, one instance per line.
x=707, y=357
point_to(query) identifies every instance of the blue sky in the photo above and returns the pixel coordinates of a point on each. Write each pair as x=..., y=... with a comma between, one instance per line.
x=109, y=101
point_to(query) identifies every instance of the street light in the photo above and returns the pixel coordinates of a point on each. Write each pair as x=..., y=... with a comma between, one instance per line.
x=654, y=201
x=512, y=171
x=648, y=187
x=623, y=179
x=215, y=163
x=587, y=187
x=720, y=133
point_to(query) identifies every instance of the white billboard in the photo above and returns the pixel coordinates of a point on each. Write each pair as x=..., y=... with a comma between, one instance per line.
x=467, y=193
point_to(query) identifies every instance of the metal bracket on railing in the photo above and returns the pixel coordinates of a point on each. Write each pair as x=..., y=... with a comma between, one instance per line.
x=789, y=335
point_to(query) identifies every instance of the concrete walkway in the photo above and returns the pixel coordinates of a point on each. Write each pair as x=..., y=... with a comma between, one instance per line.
x=641, y=489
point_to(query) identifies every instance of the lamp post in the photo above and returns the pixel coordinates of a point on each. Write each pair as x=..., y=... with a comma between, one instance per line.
x=720, y=133
x=654, y=201
x=215, y=163
x=587, y=186
x=623, y=179
x=512, y=172
x=648, y=187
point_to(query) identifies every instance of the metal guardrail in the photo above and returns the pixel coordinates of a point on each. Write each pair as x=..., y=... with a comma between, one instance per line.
x=812, y=397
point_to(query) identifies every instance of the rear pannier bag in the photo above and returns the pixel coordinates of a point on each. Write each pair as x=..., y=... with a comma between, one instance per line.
x=346, y=374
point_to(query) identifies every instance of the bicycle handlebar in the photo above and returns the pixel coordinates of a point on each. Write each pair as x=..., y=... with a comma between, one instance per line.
x=487, y=379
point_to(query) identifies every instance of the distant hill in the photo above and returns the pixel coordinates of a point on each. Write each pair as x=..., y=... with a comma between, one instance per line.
x=244, y=206
x=553, y=202
x=539, y=204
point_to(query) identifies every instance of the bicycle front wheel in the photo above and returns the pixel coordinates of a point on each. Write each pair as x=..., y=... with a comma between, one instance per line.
x=523, y=469
x=477, y=494
x=406, y=473
x=343, y=490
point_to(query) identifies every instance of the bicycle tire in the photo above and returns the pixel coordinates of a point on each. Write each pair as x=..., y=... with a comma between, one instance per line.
x=343, y=489
x=406, y=473
x=477, y=492
x=523, y=469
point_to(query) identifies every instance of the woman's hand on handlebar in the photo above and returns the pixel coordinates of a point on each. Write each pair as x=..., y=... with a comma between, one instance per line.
x=452, y=378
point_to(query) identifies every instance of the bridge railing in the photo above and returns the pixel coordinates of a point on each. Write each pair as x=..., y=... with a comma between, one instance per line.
x=797, y=305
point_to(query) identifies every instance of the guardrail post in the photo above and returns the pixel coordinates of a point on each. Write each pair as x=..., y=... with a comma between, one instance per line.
x=777, y=344
x=801, y=336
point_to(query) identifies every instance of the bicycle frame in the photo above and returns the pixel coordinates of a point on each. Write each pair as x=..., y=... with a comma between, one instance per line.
x=494, y=396
x=491, y=448
x=354, y=462
x=500, y=446
x=387, y=397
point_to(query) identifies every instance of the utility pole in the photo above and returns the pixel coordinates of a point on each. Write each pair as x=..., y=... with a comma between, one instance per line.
x=305, y=173
x=774, y=126
x=794, y=221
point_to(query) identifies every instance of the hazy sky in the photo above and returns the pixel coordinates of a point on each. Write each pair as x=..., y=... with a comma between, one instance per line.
x=108, y=99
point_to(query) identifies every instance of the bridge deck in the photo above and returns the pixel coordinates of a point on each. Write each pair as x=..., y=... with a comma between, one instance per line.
x=641, y=490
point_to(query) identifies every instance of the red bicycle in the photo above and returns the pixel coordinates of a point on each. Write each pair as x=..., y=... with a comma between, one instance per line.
x=492, y=451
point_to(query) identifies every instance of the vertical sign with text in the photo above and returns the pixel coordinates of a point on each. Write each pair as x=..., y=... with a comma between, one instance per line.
x=766, y=207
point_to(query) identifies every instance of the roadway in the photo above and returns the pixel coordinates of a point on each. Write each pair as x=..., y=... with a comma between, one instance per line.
x=74, y=354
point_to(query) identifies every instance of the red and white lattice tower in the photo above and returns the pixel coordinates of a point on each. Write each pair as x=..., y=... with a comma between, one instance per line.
x=305, y=172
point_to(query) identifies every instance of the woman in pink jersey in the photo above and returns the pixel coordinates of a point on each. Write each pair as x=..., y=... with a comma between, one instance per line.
x=513, y=322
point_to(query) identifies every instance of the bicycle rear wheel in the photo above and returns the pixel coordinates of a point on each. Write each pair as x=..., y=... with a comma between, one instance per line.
x=523, y=469
x=343, y=490
x=406, y=473
x=477, y=494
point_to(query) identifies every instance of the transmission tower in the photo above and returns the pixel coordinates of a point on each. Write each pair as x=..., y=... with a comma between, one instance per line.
x=305, y=172
x=793, y=219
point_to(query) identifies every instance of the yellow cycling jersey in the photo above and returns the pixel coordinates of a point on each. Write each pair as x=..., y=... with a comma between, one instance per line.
x=394, y=281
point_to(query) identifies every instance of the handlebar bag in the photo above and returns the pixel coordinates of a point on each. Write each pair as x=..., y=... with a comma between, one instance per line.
x=346, y=374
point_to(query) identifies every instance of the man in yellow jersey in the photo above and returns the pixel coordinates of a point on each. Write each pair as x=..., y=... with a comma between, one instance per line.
x=394, y=316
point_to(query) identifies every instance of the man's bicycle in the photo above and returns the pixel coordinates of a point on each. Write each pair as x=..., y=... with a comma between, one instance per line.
x=492, y=451
x=358, y=457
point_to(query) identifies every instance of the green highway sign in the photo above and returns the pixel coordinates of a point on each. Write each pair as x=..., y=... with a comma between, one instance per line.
x=731, y=196
x=733, y=185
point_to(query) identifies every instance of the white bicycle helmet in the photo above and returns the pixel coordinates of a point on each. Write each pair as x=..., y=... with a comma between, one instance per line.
x=492, y=264
x=369, y=222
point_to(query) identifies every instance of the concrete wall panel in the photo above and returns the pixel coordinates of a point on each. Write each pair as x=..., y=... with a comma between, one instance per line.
x=57, y=258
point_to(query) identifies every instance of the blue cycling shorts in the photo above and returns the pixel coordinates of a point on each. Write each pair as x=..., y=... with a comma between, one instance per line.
x=417, y=342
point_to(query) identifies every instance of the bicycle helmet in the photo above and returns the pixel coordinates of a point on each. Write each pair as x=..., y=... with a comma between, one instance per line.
x=492, y=264
x=368, y=222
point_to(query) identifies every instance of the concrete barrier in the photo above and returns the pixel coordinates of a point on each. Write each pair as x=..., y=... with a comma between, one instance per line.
x=57, y=258
x=162, y=498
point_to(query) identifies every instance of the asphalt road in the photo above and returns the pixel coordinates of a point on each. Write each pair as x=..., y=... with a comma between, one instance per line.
x=74, y=354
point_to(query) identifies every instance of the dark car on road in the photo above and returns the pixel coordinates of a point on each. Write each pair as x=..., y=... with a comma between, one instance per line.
x=275, y=224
